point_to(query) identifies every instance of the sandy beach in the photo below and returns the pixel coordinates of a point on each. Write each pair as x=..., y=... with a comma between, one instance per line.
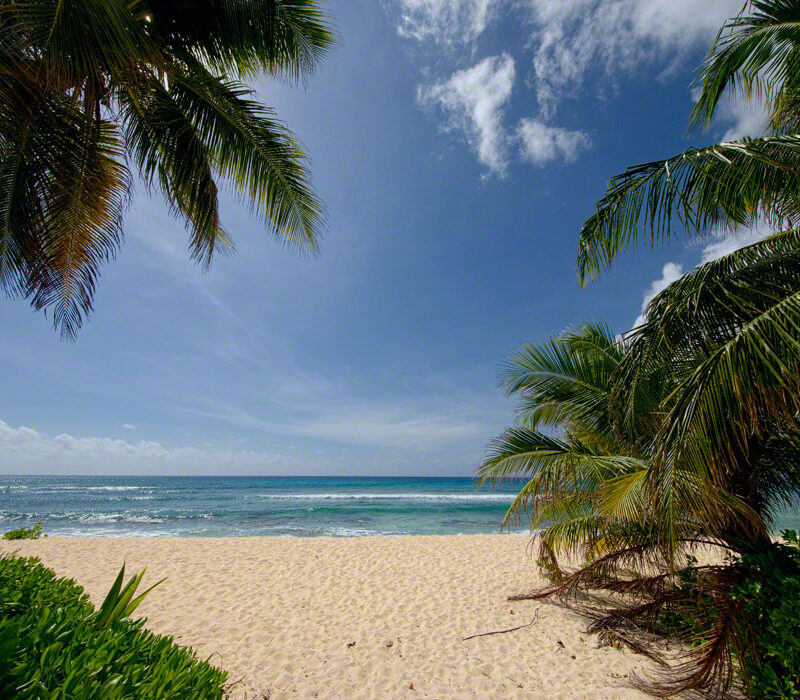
x=371, y=617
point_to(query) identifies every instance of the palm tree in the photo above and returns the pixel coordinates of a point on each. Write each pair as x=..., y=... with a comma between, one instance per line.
x=732, y=184
x=742, y=373
x=91, y=90
x=583, y=477
x=593, y=407
x=704, y=394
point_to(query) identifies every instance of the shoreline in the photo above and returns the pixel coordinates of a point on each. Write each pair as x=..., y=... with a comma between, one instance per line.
x=281, y=614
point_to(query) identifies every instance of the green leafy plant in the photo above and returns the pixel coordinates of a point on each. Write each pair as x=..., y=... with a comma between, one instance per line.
x=25, y=585
x=25, y=533
x=120, y=603
x=54, y=644
x=770, y=594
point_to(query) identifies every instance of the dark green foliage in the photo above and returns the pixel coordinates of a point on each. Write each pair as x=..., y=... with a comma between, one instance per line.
x=25, y=533
x=93, y=91
x=51, y=646
x=26, y=585
x=770, y=592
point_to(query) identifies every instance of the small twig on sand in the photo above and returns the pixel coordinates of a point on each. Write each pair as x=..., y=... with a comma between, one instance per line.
x=513, y=629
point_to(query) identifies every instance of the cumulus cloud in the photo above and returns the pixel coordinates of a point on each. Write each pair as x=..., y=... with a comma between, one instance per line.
x=28, y=451
x=575, y=38
x=541, y=143
x=671, y=272
x=443, y=21
x=472, y=101
x=571, y=42
x=129, y=426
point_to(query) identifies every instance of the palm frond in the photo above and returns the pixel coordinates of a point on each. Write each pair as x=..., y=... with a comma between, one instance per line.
x=284, y=37
x=566, y=378
x=107, y=81
x=84, y=196
x=256, y=153
x=165, y=145
x=755, y=54
x=728, y=184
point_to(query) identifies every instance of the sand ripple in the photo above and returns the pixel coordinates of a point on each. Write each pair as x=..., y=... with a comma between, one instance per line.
x=369, y=617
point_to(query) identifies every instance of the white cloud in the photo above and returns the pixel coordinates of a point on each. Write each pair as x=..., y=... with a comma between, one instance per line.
x=730, y=241
x=571, y=42
x=27, y=451
x=444, y=21
x=743, y=117
x=129, y=426
x=738, y=116
x=473, y=101
x=541, y=144
x=725, y=242
x=671, y=272
x=611, y=38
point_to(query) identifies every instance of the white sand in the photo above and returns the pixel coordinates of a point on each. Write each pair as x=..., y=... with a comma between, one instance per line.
x=279, y=614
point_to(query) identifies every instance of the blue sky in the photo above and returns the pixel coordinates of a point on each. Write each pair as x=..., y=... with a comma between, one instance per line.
x=458, y=145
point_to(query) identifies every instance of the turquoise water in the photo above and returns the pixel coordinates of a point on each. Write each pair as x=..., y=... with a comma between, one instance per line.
x=240, y=506
x=234, y=506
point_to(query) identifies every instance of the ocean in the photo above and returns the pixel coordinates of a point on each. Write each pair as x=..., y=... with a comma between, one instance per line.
x=241, y=506
x=117, y=506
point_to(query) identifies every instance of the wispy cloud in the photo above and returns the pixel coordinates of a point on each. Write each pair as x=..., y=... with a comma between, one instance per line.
x=442, y=21
x=29, y=451
x=542, y=144
x=411, y=425
x=573, y=39
x=472, y=101
x=129, y=426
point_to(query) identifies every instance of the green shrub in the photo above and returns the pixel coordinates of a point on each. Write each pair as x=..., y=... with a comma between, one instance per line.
x=25, y=533
x=52, y=646
x=26, y=585
x=770, y=592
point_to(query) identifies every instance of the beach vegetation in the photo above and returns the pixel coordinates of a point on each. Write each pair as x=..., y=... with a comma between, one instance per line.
x=121, y=601
x=669, y=560
x=769, y=592
x=95, y=96
x=657, y=460
x=55, y=644
x=25, y=533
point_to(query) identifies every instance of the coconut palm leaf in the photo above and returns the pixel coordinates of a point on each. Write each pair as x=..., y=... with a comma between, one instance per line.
x=170, y=154
x=87, y=86
x=19, y=207
x=728, y=184
x=255, y=153
x=284, y=37
x=83, y=199
x=755, y=54
x=730, y=333
x=565, y=378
